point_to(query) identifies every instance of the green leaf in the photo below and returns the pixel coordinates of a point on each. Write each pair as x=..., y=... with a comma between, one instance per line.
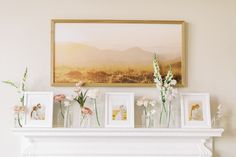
x=25, y=74
x=10, y=83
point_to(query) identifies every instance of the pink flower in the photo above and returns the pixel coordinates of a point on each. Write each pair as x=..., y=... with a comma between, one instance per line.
x=86, y=110
x=18, y=109
x=59, y=98
x=78, y=86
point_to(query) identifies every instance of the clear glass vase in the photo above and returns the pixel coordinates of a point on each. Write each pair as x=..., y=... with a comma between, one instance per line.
x=19, y=116
x=147, y=119
x=167, y=116
x=95, y=119
x=60, y=116
x=68, y=117
x=85, y=118
x=19, y=119
x=85, y=121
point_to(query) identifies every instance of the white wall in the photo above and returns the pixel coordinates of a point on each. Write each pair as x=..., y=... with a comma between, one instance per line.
x=25, y=41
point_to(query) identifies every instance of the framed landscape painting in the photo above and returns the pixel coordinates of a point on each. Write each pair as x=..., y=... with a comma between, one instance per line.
x=116, y=52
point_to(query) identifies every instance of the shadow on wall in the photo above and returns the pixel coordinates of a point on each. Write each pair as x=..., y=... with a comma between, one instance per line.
x=225, y=122
x=226, y=119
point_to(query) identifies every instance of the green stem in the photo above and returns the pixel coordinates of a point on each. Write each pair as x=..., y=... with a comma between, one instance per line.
x=145, y=118
x=160, y=116
x=163, y=101
x=18, y=119
x=82, y=119
x=145, y=111
x=61, y=111
x=169, y=115
x=150, y=121
x=96, y=111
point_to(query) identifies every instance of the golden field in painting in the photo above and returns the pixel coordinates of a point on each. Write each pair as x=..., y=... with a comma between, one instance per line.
x=75, y=61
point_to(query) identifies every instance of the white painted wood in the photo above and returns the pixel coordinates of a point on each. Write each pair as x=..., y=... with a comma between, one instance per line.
x=60, y=142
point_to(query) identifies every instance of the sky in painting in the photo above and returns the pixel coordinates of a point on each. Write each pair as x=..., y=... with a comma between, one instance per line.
x=164, y=38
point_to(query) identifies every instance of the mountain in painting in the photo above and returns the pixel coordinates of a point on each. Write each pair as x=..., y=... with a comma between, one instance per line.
x=81, y=55
x=76, y=61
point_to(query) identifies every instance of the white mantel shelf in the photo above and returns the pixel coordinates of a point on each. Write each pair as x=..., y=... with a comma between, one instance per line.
x=101, y=132
x=109, y=142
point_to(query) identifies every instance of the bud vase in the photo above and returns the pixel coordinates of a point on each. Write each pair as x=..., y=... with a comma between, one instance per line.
x=19, y=116
x=167, y=116
x=95, y=119
x=68, y=117
x=147, y=119
x=85, y=117
x=60, y=116
x=19, y=119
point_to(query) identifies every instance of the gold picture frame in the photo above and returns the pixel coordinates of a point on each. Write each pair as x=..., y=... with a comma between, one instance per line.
x=67, y=75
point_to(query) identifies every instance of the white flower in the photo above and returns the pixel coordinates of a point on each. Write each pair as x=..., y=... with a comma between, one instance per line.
x=173, y=82
x=219, y=112
x=145, y=103
x=156, y=81
x=174, y=92
x=69, y=98
x=67, y=103
x=166, y=85
x=93, y=94
x=141, y=100
x=152, y=112
x=152, y=102
x=139, y=103
x=78, y=86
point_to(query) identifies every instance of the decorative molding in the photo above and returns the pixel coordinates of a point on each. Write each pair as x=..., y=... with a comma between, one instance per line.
x=60, y=142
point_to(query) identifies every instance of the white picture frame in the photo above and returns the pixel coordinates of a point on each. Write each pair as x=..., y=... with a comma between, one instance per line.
x=39, y=109
x=195, y=110
x=119, y=110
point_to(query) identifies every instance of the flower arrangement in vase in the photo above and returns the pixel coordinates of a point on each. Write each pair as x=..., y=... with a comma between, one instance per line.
x=19, y=109
x=167, y=92
x=148, y=111
x=218, y=116
x=85, y=112
x=93, y=95
x=60, y=100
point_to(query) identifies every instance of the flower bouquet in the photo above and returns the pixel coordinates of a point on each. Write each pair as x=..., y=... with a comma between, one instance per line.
x=19, y=109
x=93, y=95
x=85, y=112
x=148, y=111
x=167, y=93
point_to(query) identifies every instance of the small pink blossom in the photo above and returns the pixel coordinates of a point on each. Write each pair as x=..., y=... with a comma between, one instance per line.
x=86, y=110
x=78, y=86
x=59, y=98
x=18, y=108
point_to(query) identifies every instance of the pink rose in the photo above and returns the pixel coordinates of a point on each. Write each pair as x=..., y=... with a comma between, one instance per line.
x=18, y=109
x=78, y=86
x=59, y=98
x=86, y=110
